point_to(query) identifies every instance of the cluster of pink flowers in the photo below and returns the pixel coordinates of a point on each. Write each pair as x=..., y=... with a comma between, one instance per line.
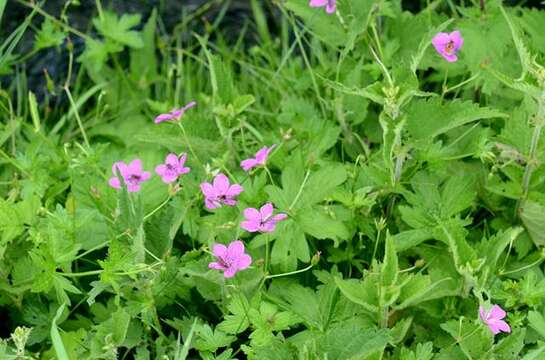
x=229, y=259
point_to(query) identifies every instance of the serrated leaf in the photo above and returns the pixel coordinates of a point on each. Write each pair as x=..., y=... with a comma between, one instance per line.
x=429, y=118
x=110, y=26
x=389, y=269
x=532, y=215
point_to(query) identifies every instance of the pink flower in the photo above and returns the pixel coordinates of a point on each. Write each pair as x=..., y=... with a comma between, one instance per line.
x=493, y=319
x=261, y=220
x=220, y=192
x=172, y=168
x=230, y=259
x=175, y=114
x=132, y=175
x=259, y=159
x=330, y=5
x=448, y=44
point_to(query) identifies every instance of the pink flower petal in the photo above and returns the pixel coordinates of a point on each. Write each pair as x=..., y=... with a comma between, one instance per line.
x=169, y=178
x=268, y=226
x=219, y=250
x=330, y=7
x=234, y=190
x=135, y=166
x=243, y=262
x=229, y=272
x=496, y=312
x=457, y=39
x=279, y=217
x=172, y=160
x=208, y=190
x=163, y=117
x=482, y=313
x=262, y=154
x=121, y=166
x=248, y=164
x=216, y=266
x=221, y=184
x=160, y=169
x=251, y=226
x=318, y=3
x=235, y=249
x=133, y=187
x=211, y=204
x=146, y=175
x=266, y=211
x=252, y=214
x=115, y=183
x=189, y=105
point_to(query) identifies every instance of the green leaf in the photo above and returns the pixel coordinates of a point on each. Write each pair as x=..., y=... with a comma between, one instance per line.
x=389, y=269
x=322, y=183
x=429, y=118
x=110, y=26
x=56, y=339
x=532, y=215
x=510, y=347
x=48, y=36
x=361, y=293
x=537, y=322
x=322, y=226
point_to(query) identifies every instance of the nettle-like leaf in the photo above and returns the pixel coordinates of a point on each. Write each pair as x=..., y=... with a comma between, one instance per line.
x=300, y=193
x=384, y=287
x=471, y=338
x=48, y=36
x=430, y=118
x=111, y=26
x=532, y=215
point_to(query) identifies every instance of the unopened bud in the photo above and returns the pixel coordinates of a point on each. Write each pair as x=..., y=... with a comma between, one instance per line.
x=316, y=258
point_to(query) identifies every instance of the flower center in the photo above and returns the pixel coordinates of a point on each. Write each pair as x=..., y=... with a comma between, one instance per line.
x=449, y=49
x=134, y=179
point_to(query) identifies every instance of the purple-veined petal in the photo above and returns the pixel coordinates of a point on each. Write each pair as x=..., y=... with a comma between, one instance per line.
x=208, y=190
x=243, y=262
x=135, y=166
x=221, y=184
x=496, y=312
x=211, y=204
x=216, y=266
x=161, y=169
x=219, y=250
x=229, y=272
x=279, y=217
x=266, y=211
x=234, y=190
x=248, y=164
x=331, y=6
x=172, y=160
x=235, y=249
x=250, y=225
x=252, y=214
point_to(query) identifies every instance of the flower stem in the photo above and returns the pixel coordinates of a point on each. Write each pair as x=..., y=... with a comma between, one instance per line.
x=189, y=143
x=300, y=191
x=157, y=208
x=532, y=156
x=289, y=273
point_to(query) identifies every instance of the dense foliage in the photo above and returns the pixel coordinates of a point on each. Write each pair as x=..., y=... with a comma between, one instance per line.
x=376, y=175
